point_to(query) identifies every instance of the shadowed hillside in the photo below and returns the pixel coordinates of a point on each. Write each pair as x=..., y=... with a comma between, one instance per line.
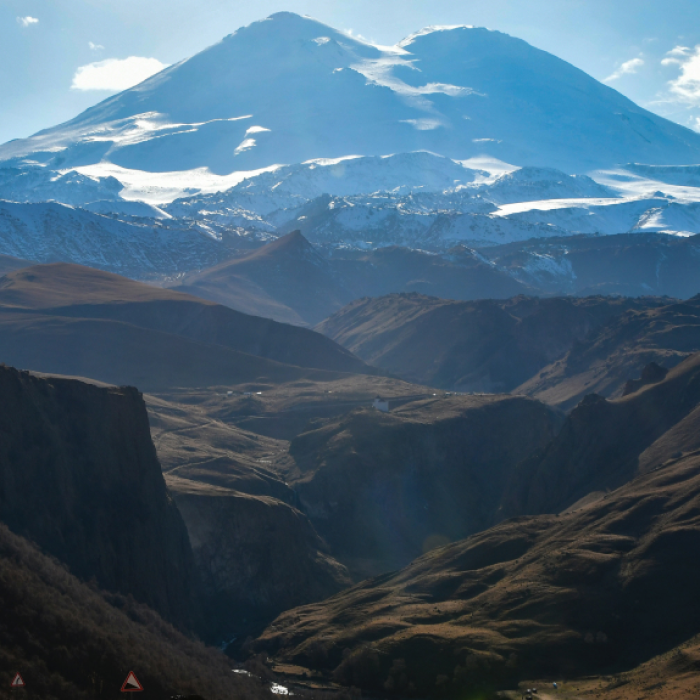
x=618, y=351
x=70, y=641
x=469, y=346
x=79, y=476
x=68, y=319
x=605, y=443
x=293, y=281
x=288, y=280
x=597, y=589
x=592, y=591
x=383, y=488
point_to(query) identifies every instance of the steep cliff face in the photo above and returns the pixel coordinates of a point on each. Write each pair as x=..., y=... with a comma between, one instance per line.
x=605, y=443
x=382, y=488
x=79, y=476
x=257, y=556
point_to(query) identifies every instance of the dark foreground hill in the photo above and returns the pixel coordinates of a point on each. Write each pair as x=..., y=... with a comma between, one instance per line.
x=256, y=556
x=68, y=319
x=486, y=345
x=80, y=477
x=69, y=641
x=618, y=351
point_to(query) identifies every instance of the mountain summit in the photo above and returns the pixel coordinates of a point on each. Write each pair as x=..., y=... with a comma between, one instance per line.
x=288, y=89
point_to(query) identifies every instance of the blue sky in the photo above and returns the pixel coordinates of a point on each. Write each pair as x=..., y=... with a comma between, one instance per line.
x=58, y=57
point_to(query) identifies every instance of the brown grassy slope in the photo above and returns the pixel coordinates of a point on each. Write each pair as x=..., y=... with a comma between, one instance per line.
x=194, y=443
x=673, y=675
x=8, y=263
x=286, y=280
x=121, y=353
x=71, y=642
x=618, y=351
x=282, y=410
x=382, y=488
x=73, y=291
x=596, y=590
x=290, y=280
x=469, y=346
x=80, y=476
x=601, y=444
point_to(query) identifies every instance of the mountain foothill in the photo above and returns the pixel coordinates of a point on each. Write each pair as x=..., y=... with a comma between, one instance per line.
x=422, y=422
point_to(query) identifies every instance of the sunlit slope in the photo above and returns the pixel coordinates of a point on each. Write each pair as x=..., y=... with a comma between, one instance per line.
x=74, y=320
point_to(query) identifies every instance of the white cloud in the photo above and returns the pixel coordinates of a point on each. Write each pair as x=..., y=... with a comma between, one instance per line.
x=244, y=145
x=95, y=47
x=686, y=87
x=627, y=68
x=27, y=21
x=115, y=74
x=422, y=124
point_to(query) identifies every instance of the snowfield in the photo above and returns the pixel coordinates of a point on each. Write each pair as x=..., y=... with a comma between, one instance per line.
x=455, y=136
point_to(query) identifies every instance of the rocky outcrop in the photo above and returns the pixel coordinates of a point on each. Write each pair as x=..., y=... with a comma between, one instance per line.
x=621, y=348
x=651, y=374
x=600, y=446
x=80, y=477
x=256, y=556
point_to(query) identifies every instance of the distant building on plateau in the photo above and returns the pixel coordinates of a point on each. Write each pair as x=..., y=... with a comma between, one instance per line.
x=380, y=404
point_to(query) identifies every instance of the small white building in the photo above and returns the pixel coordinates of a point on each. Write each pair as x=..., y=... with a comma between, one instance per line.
x=380, y=404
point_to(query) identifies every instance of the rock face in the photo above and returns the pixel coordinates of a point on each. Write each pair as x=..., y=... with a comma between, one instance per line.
x=79, y=476
x=381, y=488
x=651, y=374
x=600, y=446
x=257, y=556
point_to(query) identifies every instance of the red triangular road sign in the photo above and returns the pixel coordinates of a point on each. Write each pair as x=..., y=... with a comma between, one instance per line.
x=131, y=684
x=17, y=681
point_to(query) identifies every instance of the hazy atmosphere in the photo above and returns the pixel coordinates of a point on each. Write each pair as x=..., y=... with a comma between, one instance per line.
x=350, y=350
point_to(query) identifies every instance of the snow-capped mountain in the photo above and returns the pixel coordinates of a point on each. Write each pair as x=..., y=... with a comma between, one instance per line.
x=52, y=232
x=289, y=89
x=455, y=136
